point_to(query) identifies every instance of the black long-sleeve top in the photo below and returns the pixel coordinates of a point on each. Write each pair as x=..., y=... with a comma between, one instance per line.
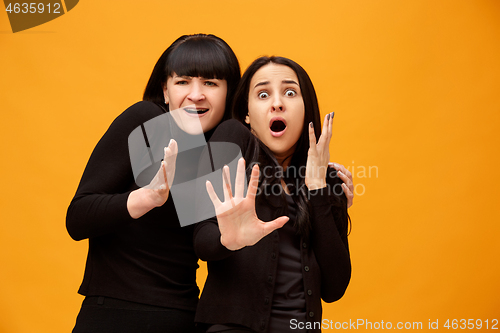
x=240, y=284
x=147, y=260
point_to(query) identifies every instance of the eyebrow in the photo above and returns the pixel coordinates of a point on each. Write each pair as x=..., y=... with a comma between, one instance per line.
x=263, y=83
x=289, y=82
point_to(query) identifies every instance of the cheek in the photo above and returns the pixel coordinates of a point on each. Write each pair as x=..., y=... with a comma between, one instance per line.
x=255, y=120
x=299, y=124
x=220, y=98
x=257, y=113
x=220, y=107
x=174, y=97
x=301, y=114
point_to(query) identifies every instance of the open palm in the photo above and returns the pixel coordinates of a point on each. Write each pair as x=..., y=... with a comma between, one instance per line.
x=318, y=155
x=238, y=222
x=161, y=183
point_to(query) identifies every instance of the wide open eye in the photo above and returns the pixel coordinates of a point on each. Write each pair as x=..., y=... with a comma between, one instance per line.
x=290, y=93
x=263, y=94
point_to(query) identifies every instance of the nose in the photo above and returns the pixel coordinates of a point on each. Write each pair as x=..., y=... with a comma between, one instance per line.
x=277, y=104
x=196, y=92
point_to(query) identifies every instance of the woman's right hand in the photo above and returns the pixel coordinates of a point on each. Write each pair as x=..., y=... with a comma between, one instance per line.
x=160, y=185
x=156, y=193
x=238, y=222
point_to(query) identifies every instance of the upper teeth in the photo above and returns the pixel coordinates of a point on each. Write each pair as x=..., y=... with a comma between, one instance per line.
x=195, y=110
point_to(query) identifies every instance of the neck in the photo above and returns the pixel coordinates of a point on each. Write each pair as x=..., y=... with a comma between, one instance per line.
x=284, y=161
x=285, y=158
x=208, y=134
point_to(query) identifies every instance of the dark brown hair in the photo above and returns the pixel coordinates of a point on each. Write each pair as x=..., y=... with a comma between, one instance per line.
x=199, y=55
x=299, y=158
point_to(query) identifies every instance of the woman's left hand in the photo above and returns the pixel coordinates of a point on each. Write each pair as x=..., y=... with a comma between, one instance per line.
x=318, y=155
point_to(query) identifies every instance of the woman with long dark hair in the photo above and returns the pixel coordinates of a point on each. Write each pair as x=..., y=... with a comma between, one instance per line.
x=270, y=276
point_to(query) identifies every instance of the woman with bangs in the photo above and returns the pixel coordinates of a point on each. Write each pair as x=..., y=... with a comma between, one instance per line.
x=271, y=276
x=140, y=274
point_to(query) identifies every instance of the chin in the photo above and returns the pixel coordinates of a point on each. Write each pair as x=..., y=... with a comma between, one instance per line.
x=192, y=127
x=278, y=151
x=208, y=127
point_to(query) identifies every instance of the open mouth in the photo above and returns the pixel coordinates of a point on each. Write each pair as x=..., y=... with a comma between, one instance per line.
x=196, y=111
x=277, y=125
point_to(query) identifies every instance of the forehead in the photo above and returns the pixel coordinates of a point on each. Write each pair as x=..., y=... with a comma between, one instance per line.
x=274, y=73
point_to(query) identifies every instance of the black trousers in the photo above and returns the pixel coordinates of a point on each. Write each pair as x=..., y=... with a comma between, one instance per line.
x=108, y=315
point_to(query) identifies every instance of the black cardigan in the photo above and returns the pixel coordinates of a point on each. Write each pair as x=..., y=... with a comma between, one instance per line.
x=148, y=260
x=240, y=284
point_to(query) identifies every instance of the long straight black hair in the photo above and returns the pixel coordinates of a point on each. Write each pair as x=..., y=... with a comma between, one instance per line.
x=294, y=176
x=199, y=55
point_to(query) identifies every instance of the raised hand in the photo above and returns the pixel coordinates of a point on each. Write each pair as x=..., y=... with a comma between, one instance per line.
x=238, y=222
x=318, y=155
x=162, y=181
x=142, y=200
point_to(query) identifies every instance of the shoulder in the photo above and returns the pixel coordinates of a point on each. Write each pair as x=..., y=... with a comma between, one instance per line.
x=134, y=116
x=230, y=128
x=233, y=131
x=232, y=138
x=139, y=113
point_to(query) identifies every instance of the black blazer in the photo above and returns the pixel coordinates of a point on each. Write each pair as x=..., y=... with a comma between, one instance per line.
x=240, y=284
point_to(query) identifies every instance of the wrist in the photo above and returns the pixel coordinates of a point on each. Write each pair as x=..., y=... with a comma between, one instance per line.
x=315, y=184
x=140, y=202
x=230, y=246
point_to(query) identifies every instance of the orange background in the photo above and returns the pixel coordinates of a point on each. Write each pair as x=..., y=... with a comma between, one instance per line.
x=413, y=87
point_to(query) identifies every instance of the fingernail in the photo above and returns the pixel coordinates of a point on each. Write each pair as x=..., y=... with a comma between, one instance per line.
x=311, y=124
x=333, y=114
x=328, y=117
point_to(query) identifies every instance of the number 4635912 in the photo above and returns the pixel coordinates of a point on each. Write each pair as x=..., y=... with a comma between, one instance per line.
x=33, y=8
x=471, y=324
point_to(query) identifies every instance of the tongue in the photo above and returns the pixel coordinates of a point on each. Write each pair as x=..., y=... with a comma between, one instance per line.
x=278, y=126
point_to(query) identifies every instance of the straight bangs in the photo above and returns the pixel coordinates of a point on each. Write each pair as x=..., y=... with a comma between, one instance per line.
x=199, y=57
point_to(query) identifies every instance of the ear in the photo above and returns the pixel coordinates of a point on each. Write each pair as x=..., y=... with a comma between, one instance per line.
x=164, y=87
x=247, y=119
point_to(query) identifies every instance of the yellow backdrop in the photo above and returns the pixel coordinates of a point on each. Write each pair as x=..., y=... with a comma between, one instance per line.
x=412, y=84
